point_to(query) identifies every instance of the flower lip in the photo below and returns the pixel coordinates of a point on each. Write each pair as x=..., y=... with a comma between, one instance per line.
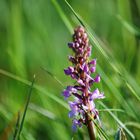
x=66, y=94
x=69, y=70
x=68, y=91
x=74, y=109
x=96, y=95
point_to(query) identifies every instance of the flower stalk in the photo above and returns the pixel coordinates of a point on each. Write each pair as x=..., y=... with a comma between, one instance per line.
x=82, y=102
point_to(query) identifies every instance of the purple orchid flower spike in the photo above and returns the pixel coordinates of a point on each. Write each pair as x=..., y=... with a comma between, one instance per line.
x=83, y=104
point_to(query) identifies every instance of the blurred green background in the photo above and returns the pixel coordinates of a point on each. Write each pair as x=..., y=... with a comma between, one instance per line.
x=34, y=34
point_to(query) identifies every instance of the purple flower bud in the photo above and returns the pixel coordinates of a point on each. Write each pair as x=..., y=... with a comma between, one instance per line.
x=78, y=34
x=66, y=94
x=84, y=36
x=81, y=30
x=93, y=69
x=97, y=79
x=92, y=62
x=86, y=69
x=80, y=50
x=72, y=59
x=71, y=44
x=89, y=51
x=79, y=40
x=69, y=70
x=77, y=45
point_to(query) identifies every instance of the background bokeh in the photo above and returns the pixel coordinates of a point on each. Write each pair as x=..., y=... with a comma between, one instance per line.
x=34, y=35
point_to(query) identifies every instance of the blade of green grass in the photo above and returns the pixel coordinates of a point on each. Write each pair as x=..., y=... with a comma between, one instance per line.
x=26, y=107
x=117, y=94
x=121, y=124
x=111, y=109
x=132, y=29
x=120, y=135
x=99, y=129
x=63, y=16
x=76, y=15
x=16, y=47
x=42, y=111
x=37, y=87
x=53, y=76
x=133, y=124
x=132, y=84
x=17, y=126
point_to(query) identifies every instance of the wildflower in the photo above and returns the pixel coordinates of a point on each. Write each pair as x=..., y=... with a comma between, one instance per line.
x=81, y=71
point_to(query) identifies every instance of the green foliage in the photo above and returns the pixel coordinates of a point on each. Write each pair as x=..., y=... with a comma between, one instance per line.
x=34, y=35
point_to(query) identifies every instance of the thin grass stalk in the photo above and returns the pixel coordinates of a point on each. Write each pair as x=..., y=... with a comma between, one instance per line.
x=17, y=126
x=37, y=87
x=26, y=107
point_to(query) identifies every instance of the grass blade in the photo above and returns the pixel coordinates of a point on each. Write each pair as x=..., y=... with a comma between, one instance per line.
x=117, y=94
x=120, y=135
x=99, y=129
x=37, y=87
x=119, y=122
x=26, y=107
x=111, y=109
x=63, y=16
x=128, y=26
x=42, y=111
x=134, y=124
x=53, y=76
x=17, y=126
